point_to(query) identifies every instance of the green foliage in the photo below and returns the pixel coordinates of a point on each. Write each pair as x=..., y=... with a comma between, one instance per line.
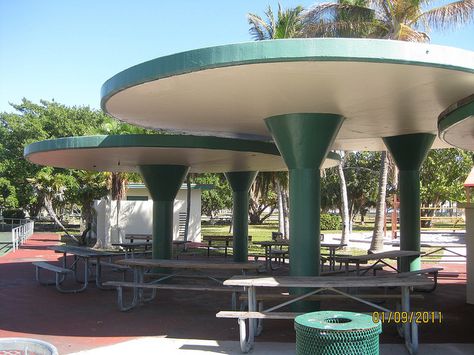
x=408, y=20
x=330, y=221
x=48, y=120
x=361, y=171
x=217, y=199
x=442, y=176
x=287, y=24
x=14, y=213
x=7, y=194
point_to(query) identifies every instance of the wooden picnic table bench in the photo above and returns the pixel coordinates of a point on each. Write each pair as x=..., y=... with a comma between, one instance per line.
x=79, y=253
x=139, y=267
x=440, y=247
x=135, y=236
x=378, y=257
x=222, y=240
x=132, y=247
x=319, y=283
x=427, y=271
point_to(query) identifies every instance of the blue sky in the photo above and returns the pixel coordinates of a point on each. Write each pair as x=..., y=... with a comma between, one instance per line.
x=66, y=49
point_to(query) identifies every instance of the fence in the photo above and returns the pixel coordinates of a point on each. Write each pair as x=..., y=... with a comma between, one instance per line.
x=21, y=234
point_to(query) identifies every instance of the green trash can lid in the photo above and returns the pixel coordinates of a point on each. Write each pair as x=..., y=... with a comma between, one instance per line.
x=336, y=321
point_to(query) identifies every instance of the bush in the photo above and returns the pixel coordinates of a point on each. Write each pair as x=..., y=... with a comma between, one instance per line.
x=330, y=221
x=17, y=214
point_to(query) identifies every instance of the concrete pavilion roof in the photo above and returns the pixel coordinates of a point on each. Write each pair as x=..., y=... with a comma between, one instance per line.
x=127, y=152
x=456, y=124
x=383, y=88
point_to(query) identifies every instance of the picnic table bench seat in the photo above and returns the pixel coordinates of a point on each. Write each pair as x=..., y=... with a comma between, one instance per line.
x=427, y=271
x=119, y=285
x=60, y=274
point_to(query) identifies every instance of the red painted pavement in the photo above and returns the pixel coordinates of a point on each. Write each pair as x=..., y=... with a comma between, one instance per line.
x=75, y=322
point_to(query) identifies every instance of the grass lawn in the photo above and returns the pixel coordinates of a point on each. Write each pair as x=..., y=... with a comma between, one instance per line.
x=264, y=232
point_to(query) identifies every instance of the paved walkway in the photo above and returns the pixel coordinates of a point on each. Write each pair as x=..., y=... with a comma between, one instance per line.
x=199, y=347
x=90, y=323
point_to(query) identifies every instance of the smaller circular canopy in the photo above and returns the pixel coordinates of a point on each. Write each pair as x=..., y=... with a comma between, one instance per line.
x=127, y=152
x=456, y=124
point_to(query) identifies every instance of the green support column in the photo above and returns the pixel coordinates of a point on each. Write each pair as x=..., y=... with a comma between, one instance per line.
x=163, y=182
x=304, y=140
x=240, y=183
x=409, y=151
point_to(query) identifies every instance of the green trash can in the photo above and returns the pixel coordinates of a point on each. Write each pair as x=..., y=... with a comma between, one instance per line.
x=336, y=332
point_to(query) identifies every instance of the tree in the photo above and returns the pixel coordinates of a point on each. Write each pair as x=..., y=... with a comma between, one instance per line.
x=262, y=199
x=216, y=199
x=50, y=186
x=287, y=24
x=47, y=120
x=7, y=195
x=377, y=236
x=89, y=186
x=346, y=221
x=407, y=20
x=442, y=177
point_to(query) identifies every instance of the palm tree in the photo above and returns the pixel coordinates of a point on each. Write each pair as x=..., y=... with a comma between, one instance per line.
x=50, y=187
x=405, y=20
x=288, y=24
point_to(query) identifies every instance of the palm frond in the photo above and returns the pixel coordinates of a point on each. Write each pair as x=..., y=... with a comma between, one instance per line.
x=409, y=34
x=451, y=15
x=259, y=29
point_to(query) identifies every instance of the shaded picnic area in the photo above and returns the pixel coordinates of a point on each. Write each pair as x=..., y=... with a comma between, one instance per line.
x=76, y=322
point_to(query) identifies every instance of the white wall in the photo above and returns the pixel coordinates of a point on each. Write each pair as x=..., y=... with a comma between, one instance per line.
x=136, y=217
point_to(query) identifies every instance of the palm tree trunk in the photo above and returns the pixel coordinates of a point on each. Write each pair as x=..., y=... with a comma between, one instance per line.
x=286, y=213
x=188, y=209
x=281, y=218
x=345, y=205
x=377, y=236
x=48, y=204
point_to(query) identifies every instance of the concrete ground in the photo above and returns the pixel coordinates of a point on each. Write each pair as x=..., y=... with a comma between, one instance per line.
x=90, y=322
x=198, y=347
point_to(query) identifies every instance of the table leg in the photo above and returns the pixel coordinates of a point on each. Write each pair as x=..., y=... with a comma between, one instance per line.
x=410, y=330
x=267, y=257
x=332, y=257
x=247, y=339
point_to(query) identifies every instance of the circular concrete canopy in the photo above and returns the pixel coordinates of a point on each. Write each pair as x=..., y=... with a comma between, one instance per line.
x=383, y=88
x=127, y=152
x=456, y=124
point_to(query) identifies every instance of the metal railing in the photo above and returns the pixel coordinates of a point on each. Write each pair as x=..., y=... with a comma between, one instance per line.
x=21, y=234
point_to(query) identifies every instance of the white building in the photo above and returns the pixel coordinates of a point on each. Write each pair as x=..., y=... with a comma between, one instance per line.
x=134, y=214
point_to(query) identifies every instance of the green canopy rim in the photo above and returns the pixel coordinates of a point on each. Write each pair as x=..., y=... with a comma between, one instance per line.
x=288, y=50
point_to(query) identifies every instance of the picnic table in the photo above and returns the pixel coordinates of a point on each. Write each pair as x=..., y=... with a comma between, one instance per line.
x=378, y=257
x=131, y=247
x=440, y=247
x=408, y=330
x=147, y=238
x=219, y=239
x=141, y=266
x=79, y=253
x=269, y=253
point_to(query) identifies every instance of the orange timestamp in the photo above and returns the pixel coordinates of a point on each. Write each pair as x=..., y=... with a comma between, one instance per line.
x=408, y=317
